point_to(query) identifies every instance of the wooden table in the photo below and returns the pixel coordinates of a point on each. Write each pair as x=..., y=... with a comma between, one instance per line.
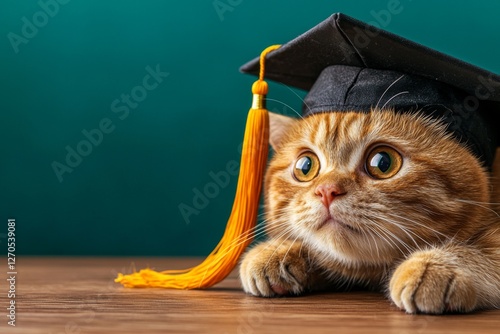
x=78, y=295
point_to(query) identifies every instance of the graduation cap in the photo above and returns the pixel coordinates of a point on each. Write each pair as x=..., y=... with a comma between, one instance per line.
x=345, y=65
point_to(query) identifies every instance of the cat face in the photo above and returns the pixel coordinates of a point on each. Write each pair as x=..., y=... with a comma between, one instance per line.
x=370, y=187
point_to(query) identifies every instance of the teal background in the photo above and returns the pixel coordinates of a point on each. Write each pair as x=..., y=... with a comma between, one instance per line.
x=123, y=198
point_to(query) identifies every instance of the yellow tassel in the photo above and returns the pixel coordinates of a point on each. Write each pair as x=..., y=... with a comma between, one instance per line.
x=238, y=233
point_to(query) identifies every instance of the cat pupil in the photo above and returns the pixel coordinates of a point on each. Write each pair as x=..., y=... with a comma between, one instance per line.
x=304, y=165
x=382, y=161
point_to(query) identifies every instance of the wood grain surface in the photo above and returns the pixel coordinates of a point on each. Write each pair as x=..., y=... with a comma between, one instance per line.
x=78, y=295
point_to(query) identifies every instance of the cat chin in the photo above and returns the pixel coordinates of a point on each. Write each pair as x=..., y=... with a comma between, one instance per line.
x=350, y=252
x=337, y=226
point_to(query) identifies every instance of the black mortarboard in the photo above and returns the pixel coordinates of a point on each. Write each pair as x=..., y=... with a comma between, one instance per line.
x=346, y=64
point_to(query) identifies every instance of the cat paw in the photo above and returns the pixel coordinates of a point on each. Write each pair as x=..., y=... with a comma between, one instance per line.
x=274, y=269
x=432, y=282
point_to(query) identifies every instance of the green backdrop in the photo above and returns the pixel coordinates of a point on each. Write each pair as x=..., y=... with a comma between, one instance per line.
x=114, y=114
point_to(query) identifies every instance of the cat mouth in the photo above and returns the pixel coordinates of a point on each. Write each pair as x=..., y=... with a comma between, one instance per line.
x=330, y=221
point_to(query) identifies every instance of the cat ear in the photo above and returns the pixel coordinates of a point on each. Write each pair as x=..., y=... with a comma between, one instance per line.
x=278, y=127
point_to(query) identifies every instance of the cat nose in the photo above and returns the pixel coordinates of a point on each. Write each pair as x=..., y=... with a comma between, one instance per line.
x=328, y=193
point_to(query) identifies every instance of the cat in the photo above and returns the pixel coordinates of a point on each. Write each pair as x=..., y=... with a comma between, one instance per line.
x=389, y=201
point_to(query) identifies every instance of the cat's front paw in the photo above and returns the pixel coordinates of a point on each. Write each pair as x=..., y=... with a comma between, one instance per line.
x=274, y=268
x=432, y=282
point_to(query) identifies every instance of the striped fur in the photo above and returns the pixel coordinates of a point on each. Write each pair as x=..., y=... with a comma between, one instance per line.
x=428, y=236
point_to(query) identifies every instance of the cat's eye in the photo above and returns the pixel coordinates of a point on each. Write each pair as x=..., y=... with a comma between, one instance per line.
x=306, y=167
x=383, y=162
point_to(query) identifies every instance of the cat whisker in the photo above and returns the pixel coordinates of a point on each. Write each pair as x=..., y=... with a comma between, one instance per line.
x=291, y=244
x=262, y=214
x=436, y=232
x=275, y=224
x=365, y=235
x=300, y=98
x=286, y=105
x=407, y=230
x=284, y=235
x=481, y=205
x=255, y=232
x=376, y=244
x=235, y=243
x=268, y=228
x=394, y=96
x=386, y=90
x=388, y=236
x=374, y=230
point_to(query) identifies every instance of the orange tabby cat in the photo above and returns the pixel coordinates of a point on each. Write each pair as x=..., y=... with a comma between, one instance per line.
x=386, y=200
